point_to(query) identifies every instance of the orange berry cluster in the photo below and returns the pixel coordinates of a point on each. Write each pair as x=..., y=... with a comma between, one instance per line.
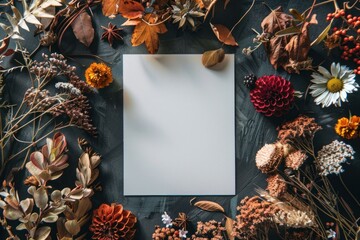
x=339, y=13
x=349, y=35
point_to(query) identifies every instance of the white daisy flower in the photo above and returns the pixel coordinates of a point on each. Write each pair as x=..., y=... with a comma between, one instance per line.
x=332, y=88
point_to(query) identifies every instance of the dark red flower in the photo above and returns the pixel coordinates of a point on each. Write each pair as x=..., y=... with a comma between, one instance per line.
x=272, y=95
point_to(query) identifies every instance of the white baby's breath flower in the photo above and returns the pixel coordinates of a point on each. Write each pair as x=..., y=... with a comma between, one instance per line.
x=166, y=219
x=331, y=156
x=331, y=88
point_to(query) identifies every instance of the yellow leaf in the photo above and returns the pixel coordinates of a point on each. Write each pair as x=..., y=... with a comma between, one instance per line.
x=110, y=7
x=213, y=57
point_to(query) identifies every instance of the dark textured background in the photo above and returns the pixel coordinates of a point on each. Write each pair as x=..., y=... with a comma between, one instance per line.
x=253, y=130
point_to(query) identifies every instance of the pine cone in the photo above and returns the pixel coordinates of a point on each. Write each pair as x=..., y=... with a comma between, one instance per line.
x=112, y=222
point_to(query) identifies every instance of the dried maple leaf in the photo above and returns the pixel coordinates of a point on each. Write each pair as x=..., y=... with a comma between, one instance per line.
x=110, y=8
x=277, y=20
x=131, y=9
x=147, y=32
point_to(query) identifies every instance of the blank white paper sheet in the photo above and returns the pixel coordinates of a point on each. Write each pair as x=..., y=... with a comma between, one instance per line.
x=179, y=126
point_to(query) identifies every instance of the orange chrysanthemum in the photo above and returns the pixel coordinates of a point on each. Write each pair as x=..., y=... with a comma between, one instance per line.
x=98, y=75
x=112, y=222
x=348, y=128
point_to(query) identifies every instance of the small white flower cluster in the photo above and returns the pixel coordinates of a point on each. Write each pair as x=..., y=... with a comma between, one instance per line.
x=69, y=87
x=294, y=218
x=166, y=219
x=331, y=156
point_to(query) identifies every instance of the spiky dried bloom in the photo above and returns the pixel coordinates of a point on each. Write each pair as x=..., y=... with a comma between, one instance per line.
x=348, y=128
x=98, y=75
x=211, y=230
x=331, y=156
x=269, y=157
x=295, y=159
x=112, y=222
x=276, y=185
x=254, y=215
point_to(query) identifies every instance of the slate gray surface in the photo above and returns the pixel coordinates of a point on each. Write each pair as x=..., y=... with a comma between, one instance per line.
x=253, y=130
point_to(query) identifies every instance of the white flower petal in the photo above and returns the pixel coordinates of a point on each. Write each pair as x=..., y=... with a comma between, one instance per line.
x=324, y=72
x=343, y=95
x=317, y=78
x=333, y=70
x=316, y=92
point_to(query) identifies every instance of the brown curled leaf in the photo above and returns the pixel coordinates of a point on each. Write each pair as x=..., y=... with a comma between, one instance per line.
x=223, y=34
x=229, y=228
x=209, y=206
x=213, y=57
x=83, y=29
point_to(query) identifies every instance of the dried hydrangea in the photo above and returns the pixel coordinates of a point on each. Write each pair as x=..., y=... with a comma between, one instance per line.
x=276, y=185
x=254, y=215
x=269, y=157
x=300, y=127
x=331, y=156
x=209, y=230
x=299, y=133
x=295, y=159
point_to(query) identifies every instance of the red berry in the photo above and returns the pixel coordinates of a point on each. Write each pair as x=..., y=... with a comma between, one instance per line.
x=355, y=71
x=337, y=32
x=346, y=39
x=343, y=32
x=358, y=62
x=358, y=31
x=337, y=15
x=350, y=21
x=346, y=58
x=351, y=38
x=349, y=16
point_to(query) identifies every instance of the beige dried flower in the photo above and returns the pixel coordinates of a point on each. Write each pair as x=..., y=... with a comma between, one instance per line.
x=294, y=218
x=276, y=185
x=295, y=159
x=269, y=157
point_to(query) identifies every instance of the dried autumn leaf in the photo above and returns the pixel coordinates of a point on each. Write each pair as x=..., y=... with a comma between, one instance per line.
x=131, y=9
x=110, y=8
x=147, y=32
x=276, y=21
x=229, y=228
x=209, y=206
x=42, y=233
x=4, y=45
x=131, y=22
x=83, y=29
x=299, y=45
x=322, y=35
x=213, y=57
x=72, y=226
x=223, y=34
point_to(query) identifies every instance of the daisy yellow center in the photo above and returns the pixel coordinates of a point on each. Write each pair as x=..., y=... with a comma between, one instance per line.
x=334, y=85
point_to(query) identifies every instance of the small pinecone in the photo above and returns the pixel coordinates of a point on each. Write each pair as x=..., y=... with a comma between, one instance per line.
x=249, y=81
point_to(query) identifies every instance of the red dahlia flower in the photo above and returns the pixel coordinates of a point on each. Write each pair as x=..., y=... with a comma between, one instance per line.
x=272, y=95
